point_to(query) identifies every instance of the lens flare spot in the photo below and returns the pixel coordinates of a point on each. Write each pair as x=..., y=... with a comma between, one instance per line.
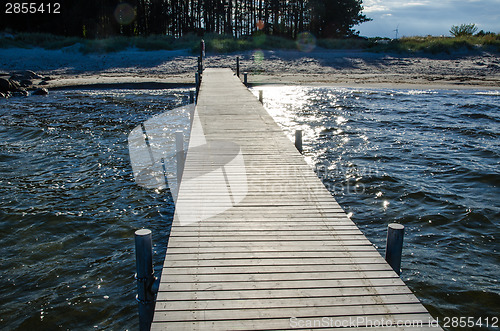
x=124, y=14
x=260, y=24
x=306, y=42
x=258, y=57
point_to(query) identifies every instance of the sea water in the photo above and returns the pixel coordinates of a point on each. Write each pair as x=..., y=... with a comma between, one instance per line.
x=428, y=159
x=69, y=204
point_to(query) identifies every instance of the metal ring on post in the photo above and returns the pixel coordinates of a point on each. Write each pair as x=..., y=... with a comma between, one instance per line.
x=143, y=279
x=144, y=302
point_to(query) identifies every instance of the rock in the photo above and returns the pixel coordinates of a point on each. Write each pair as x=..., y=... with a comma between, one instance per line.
x=26, y=83
x=43, y=83
x=4, y=85
x=20, y=93
x=6, y=95
x=41, y=91
x=11, y=85
x=46, y=78
x=28, y=74
x=14, y=85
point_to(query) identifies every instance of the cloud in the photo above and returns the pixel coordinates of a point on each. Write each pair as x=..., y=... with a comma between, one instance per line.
x=423, y=17
x=372, y=6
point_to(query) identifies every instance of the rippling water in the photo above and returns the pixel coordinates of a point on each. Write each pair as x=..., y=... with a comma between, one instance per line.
x=69, y=207
x=69, y=204
x=427, y=159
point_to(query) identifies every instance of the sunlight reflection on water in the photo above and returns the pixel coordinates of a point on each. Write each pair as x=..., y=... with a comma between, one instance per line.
x=424, y=158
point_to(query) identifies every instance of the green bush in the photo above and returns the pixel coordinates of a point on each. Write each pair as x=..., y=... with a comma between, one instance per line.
x=436, y=45
x=43, y=40
x=227, y=44
x=154, y=43
x=463, y=30
x=351, y=43
x=107, y=45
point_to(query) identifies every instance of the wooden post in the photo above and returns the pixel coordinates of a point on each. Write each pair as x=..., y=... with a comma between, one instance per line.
x=200, y=65
x=245, y=78
x=145, y=277
x=238, y=66
x=298, y=140
x=179, y=147
x=191, y=96
x=394, y=246
x=261, y=98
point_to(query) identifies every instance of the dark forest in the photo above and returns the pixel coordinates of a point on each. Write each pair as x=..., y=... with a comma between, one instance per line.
x=236, y=18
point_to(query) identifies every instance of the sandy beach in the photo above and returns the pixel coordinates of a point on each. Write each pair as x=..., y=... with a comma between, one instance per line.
x=70, y=68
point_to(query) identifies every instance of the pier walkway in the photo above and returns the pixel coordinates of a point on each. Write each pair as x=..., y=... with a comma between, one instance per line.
x=257, y=241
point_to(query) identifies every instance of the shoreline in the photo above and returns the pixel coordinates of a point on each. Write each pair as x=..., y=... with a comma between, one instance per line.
x=338, y=68
x=135, y=82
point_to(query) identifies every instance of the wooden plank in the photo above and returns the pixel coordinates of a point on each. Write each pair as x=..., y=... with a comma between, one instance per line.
x=287, y=312
x=297, y=302
x=252, y=279
x=284, y=253
x=216, y=261
x=276, y=237
x=281, y=293
x=325, y=233
x=318, y=250
x=263, y=227
x=285, y=324
x=285, y=245
x=222, y=256
x=336, y=286
x=298, y=269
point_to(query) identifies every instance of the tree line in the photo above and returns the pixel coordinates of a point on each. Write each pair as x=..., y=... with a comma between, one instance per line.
x=104, y=18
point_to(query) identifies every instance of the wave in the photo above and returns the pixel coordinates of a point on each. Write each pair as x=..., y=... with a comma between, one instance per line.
x=478, y=116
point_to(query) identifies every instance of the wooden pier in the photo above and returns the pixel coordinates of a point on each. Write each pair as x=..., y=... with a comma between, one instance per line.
x=257, y=241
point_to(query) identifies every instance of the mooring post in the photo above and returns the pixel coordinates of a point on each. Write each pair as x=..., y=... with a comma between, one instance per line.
x=261, y=98
x=238, y=66
x=145, y=277
x=179, y=147
x=245, y=78
x=394, y=246
x=191, y=96
x=200, y=65
x=298, y=140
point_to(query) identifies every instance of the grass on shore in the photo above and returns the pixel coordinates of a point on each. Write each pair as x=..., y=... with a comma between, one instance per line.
x=227, y=44
x=214, y=43
x=437, y=45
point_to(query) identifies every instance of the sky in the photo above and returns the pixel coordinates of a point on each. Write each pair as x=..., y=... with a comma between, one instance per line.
x=427, y=17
